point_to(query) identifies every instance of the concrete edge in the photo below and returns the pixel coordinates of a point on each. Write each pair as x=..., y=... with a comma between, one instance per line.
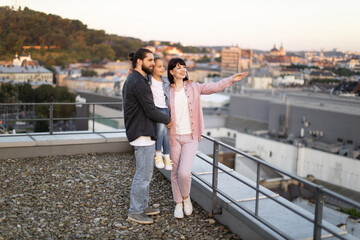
x=64, y=146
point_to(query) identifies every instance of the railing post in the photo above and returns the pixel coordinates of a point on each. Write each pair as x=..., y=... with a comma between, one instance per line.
x=93, y=118
x=215, y=208
x=51, y=118
x=319, y=204
x=257, y=188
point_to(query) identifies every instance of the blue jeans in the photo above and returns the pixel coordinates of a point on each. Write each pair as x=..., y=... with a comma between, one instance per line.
x=162, y=134
x=139, y=194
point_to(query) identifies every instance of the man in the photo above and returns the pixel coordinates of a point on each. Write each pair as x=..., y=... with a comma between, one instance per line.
x=140, y=116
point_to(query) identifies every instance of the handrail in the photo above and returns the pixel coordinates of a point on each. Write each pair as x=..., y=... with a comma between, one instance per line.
x=51, y=117
x=319, y=197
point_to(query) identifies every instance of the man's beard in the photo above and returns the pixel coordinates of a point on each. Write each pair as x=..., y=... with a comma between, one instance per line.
x=146, y=70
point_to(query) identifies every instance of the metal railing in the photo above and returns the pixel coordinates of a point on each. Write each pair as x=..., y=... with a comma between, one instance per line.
x=13, y=108
x=320, y=192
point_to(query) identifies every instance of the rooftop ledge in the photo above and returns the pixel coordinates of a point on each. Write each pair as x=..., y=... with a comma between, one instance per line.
x=64, y=143
x=238, y=220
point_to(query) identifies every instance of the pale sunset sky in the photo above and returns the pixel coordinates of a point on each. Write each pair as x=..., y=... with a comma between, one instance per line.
x=256, y=24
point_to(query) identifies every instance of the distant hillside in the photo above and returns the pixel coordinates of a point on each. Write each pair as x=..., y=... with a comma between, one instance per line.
x=71, y=40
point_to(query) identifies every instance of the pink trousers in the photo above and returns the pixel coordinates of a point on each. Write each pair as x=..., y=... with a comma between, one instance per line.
x=182, y=155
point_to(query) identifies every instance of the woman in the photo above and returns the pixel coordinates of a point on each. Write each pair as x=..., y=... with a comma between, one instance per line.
x=187, y=127
x=160, y=90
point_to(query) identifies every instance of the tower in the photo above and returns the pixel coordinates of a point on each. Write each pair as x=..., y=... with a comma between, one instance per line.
x=15, y=4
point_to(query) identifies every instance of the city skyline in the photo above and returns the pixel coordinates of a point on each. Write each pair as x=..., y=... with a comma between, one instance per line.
x=259, y=24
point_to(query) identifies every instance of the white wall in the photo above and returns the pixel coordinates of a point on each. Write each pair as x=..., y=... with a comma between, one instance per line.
x=331, y=168
x=261, y=82
x=278, y=154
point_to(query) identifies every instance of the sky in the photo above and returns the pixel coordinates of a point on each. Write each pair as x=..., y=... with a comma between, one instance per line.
x=255, y=24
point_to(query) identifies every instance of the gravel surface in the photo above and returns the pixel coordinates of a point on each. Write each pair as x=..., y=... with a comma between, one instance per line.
x=87, y=197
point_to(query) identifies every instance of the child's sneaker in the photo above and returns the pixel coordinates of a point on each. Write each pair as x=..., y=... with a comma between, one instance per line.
x=168, y=163
x=159, y=163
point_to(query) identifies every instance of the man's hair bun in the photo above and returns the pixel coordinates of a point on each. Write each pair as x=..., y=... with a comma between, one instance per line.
x=131, y=55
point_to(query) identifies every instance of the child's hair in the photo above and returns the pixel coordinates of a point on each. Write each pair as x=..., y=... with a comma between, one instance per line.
x=138, y=54
x=158, y=58
x=172, y=64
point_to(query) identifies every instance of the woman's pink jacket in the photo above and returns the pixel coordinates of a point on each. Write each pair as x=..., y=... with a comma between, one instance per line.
x=193, y=92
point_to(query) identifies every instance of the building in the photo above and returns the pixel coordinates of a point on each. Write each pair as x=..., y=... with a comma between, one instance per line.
x=5, y=62
x=200, y=71
x=260, y=78
x=92, y=84
x=278, y=57
x=321, y=75
x=26, y=73
x=288, y=80
x=234, y=60
x=275, y=52
x=24, y=60
x=98, y=68
x=171, y=50
x=291, y=114
x=118, y=65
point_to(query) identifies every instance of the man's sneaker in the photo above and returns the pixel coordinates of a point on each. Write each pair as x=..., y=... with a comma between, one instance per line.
x=159, y=163
x=151, y=211
x=188, y=208
x=179, y=213
x=140, y=218
x=168, y=164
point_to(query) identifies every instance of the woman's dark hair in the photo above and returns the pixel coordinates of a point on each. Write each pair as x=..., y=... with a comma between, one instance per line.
x=138, y=54
x=172, y=64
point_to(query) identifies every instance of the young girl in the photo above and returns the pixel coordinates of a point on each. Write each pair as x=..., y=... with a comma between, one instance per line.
x=187, y=127
x=160, y=89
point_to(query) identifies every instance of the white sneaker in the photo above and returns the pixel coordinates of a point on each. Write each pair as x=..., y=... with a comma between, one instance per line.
x=159, y=163
x=179, y=213
x=168, y=164
x=188, y=208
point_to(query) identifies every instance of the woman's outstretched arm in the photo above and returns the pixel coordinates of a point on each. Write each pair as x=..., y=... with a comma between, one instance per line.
x=209, y=88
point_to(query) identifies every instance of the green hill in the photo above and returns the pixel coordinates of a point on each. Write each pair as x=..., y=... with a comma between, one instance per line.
x=74, y=42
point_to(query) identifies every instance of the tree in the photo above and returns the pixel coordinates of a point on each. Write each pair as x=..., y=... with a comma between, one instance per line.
x=26, y=93
x=61, y=94
x=204, y=59
x=101, y=51
x=88, y=73
x=41, y=126
x=8, y=93
x=44, y=94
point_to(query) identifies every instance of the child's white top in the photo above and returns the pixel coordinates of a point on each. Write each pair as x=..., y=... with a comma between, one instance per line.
x=158, y=93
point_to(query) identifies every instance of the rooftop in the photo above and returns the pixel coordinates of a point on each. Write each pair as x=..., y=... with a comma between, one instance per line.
x=309, y=99
x=26, y=69
x=87, y=196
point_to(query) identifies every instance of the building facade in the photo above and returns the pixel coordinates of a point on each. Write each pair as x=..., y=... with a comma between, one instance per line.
x=26, y=73
x=234, y=60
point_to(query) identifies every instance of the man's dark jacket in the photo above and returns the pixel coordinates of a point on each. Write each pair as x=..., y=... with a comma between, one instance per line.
x=140, y=113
